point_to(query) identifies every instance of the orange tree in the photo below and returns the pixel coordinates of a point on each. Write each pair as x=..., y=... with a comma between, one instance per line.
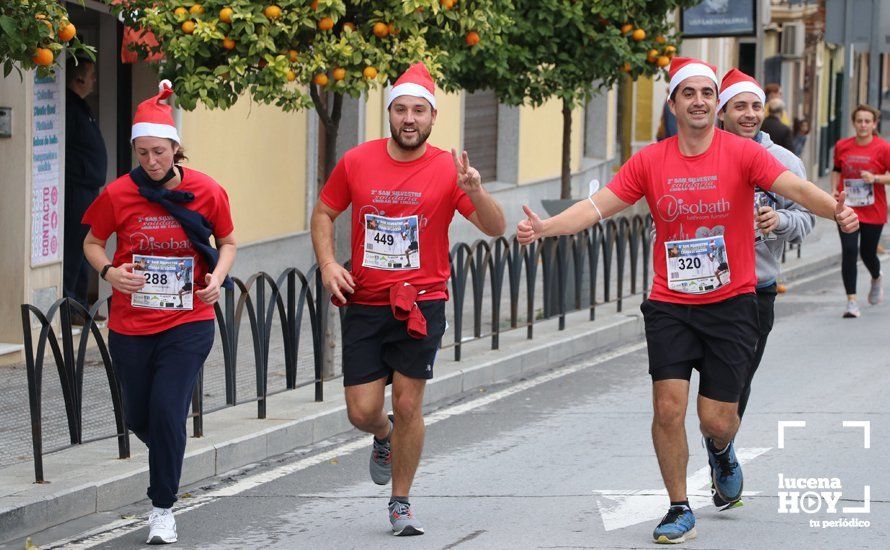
x=33, y=33
x=571, y=49
x=311, y=53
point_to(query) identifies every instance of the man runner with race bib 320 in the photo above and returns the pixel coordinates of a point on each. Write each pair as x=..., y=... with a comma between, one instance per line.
x=404, y=193
x=702, y=312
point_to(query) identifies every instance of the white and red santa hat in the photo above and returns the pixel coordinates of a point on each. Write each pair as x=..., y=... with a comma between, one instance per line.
x=415, y=82
x=736, y=82
x=687, y=67
x=154, y=118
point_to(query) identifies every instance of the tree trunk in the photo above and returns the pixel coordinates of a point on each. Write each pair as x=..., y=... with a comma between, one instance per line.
x=331, y=122
x=565, y=188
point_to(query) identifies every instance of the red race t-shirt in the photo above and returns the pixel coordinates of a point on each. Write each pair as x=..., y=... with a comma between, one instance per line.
x=868, y=200
x=704, y=222
x=400, y=217
x=147, y=229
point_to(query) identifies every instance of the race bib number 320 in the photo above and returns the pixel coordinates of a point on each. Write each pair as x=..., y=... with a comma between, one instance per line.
x=391, y=243
x=697, y=266
x=168, y=282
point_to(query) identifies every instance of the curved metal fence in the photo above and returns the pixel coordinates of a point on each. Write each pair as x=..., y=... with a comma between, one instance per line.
x=563, y=274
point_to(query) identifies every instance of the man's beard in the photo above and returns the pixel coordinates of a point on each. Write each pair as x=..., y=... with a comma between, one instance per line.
x=423, y=136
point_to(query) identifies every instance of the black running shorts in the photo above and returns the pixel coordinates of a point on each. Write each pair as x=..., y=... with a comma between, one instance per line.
x=716, y=339
x=375, y=344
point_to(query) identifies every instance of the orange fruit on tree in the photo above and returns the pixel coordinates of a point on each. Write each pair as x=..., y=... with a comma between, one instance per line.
x=349, y=26
x=380, y=29
x=670, y=50
x=392, y=29
x=272, y=12
x=625, y=68
x=292, y=55
x=291, y=76
x=638, y=35
x=339, y=73
x=652, y=57
x=663, y=61
x=472, y=38
x=42, y=57
x=314, y=4
x=321, y=79
x=447, y=4
x=225, y=15
x=325, y=24
x=67, y=31
x=197, y=9
x=180, y=11
x=370, y=73
x=660, y=39
x=188, y=27
x=626, y=28
x=228, y=43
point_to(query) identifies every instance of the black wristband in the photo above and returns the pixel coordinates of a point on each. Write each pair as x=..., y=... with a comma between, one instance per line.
x=105, y=271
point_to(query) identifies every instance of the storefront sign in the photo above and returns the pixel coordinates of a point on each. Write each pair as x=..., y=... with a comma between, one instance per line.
x=48, y=133
x=719, y=18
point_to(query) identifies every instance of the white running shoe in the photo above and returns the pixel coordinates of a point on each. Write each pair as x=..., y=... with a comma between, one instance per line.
x=161, y=526
x=852, y=310
x=876, y=293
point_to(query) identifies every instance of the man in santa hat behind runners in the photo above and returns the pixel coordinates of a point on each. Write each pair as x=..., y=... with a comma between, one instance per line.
x=778, y=220
x=396, y=292
x=700, y=187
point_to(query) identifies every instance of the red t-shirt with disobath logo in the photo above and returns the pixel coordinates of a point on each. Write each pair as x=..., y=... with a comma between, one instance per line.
x=850, y=159
x=400, y=217
x=701, y=197
x=146, y=228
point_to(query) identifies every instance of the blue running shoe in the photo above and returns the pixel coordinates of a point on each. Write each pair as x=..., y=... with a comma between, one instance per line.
x=726, y=473
x=677, y=526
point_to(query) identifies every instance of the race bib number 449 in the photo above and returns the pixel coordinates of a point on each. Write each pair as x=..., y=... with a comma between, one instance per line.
x=391, y=243
x=168, y=282
x=697, y=266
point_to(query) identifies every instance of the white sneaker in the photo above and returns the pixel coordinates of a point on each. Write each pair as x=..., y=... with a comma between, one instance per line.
x=876, y=293
x=161, y=526
x=852, y=310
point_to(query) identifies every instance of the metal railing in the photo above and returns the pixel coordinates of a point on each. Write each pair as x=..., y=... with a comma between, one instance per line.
x=567, y=271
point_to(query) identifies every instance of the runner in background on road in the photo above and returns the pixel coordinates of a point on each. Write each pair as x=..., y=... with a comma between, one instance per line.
x=700, y=188
x=404, y=193
x=777, y=220
x=161, y=213
x=861, y=164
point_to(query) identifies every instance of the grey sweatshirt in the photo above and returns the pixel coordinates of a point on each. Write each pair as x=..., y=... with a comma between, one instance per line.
x=795, y=221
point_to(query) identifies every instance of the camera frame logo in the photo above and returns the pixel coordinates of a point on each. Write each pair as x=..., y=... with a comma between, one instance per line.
x=812, y=495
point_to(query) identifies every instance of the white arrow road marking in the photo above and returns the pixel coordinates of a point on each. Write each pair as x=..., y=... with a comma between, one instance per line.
x=621, y=509
x=110, y=531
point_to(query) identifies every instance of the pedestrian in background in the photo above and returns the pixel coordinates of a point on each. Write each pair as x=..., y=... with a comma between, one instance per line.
x=801, y=131
x=86, y=162
x=163, y=215
x=778, y=131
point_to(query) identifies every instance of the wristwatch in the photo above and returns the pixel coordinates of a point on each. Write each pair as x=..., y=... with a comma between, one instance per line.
x=105, y=271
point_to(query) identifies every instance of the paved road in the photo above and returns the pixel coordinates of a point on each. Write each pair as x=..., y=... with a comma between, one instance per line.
x=566, y=461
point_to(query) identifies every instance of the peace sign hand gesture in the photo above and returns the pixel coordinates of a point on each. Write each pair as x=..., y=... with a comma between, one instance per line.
x=468, y=178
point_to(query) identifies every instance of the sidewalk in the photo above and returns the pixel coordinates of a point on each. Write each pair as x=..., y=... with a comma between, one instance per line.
x=88, y=478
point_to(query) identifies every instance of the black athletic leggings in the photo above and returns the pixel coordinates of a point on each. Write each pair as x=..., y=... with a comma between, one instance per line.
x=865, y=243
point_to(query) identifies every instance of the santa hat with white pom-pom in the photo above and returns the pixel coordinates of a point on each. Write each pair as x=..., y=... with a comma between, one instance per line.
x=154, y=118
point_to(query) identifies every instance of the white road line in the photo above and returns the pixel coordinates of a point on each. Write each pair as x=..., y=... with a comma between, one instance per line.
x=121, y=527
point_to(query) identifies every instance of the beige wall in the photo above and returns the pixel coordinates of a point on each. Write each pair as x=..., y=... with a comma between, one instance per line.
x=643, y=110
x=15, y=180
x=258, y=153
x=540, y=141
